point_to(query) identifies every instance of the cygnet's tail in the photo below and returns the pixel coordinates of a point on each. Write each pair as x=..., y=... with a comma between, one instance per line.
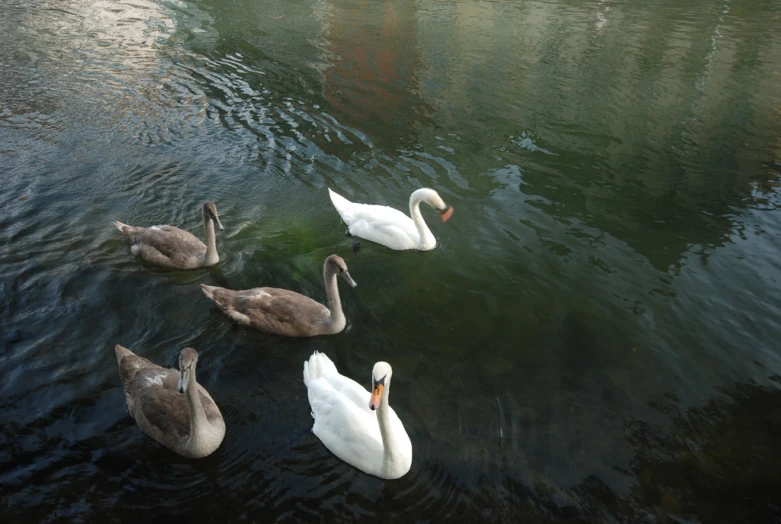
x=122, y=352
x=317, y=366
x=129, y=363
x=127, y=230
x=209, y=290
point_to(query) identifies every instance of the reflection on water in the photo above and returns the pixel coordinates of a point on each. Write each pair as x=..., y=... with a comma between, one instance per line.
x=593, y=339
x=371, y=76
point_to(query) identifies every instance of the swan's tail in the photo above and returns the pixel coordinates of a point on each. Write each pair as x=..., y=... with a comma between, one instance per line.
x=317, y=366
x=342, y=205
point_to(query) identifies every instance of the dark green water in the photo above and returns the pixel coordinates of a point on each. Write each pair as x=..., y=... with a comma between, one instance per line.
x=595, y=338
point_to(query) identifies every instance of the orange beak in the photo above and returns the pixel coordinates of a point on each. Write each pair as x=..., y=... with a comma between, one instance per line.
x=374, y=402
x=445, y=215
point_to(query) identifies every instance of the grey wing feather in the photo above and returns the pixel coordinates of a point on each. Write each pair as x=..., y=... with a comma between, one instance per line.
x=166, y=413
x=164, y=408
x=131, y=365
x=170, y=241
x=274, y=310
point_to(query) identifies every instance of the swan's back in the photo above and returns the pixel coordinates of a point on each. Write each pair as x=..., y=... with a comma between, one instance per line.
x=273, y=310
x=170, y=240
x=352, y=212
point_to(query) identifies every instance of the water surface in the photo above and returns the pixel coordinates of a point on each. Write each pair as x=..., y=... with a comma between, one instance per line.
x=594, y=338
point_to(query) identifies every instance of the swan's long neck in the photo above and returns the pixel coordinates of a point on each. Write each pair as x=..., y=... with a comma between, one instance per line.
x=198, y=420
x=426, y=237
x=211, y=241
x=388, y=442
x=337, y=320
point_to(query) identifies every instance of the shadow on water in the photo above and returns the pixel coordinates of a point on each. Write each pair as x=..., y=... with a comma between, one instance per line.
x=714, y=463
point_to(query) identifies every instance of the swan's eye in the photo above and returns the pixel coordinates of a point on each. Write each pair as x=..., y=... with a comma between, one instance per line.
x=341, y=270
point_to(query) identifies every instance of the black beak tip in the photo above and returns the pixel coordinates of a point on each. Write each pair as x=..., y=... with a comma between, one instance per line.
x=181, y=390
x=221, y=228
x=371, y=407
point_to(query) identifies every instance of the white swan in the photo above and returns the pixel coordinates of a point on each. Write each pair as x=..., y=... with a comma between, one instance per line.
x=346, y=421
x=390, y=227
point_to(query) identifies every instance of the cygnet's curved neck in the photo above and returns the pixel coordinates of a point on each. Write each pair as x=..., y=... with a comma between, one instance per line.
x=386, y=430
x=211, y=257
x=198, y=420
x=337, y=321
x=426, y=237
